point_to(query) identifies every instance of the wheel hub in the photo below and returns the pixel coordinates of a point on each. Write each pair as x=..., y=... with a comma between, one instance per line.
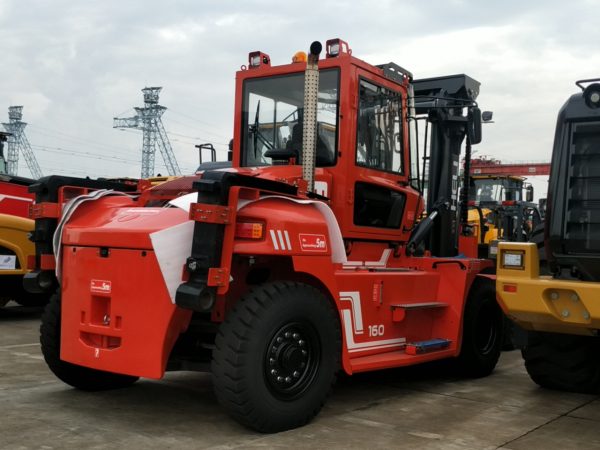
x=291, y=360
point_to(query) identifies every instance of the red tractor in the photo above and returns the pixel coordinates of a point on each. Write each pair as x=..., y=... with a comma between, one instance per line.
x=312, y=253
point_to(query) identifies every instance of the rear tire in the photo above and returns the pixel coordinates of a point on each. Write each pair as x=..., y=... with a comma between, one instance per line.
x=32, y=300
x=276, y=356
x=12, y=289
x=563, y=362
x=77, y=376
x=483, y=328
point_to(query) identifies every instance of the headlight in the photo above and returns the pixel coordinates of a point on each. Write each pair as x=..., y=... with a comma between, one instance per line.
x=512, y=260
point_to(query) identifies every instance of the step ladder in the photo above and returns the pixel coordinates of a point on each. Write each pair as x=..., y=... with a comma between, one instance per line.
x=399, y=310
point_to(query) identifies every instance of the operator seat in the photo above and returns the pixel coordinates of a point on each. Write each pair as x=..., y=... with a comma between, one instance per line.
x=324, y=156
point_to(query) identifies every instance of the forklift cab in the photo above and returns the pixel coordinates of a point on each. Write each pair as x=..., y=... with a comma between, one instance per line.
x=362, y=145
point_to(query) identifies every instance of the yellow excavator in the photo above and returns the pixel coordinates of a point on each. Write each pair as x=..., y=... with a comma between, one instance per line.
x=550, y=286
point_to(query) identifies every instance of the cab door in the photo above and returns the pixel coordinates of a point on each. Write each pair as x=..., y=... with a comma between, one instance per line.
x=377, y=181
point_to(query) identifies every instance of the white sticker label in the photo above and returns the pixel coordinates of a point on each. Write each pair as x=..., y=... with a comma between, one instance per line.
x=8, y=262
x=512, y=260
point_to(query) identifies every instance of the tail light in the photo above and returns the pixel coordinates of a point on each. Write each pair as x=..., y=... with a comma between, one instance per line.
x=249, y=230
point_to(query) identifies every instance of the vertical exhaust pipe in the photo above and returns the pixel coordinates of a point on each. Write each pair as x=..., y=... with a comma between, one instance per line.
x=309, y=120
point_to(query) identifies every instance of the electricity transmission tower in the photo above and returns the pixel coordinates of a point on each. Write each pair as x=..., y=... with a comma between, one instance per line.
x=148, y=119
x=18, y=141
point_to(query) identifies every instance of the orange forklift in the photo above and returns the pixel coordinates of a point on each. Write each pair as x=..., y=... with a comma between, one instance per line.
x=312, y=253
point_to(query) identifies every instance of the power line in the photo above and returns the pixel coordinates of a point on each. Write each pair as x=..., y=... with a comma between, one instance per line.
x=199, y=129
x=68, y=137
x=191, y=118
x=197, y=138
x=82, y=154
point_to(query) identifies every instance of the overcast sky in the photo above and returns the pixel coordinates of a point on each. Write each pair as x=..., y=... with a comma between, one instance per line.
x=74, y=65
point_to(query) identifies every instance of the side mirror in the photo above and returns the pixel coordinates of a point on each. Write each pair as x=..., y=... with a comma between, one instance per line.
x=474, y=125
x=486, y=116
x=529, y=193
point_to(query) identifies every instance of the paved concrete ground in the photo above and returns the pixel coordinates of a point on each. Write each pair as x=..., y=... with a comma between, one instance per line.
x=424, y=409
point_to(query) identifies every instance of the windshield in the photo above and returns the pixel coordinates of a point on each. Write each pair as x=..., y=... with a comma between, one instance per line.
x=272, y=119
x=494, y=190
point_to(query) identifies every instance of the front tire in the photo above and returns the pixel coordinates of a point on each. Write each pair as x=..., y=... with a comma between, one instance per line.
x=563, y=362
x=483, y=329
x=276, y=356
x=79, y=377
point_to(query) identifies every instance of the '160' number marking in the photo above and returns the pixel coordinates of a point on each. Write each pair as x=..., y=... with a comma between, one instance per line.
x=376, y=330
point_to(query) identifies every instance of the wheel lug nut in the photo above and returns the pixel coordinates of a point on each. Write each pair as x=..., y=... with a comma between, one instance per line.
x=288, y=379
x=288, y=335
x=280, y=379
x=279, y=339
x=273, y=372
x=304, y=352
x=272, y=361
x=296, y=374
x=300, y=342
x=295, y=335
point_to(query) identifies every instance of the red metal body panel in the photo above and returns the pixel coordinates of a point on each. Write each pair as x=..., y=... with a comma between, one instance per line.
x=284, y=230
x=116, y=316
x=15, y=199
x=115, y=222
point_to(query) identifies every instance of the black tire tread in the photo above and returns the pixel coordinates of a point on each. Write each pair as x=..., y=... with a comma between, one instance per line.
x=563, y=362
x=470, y=363
x=228, y=357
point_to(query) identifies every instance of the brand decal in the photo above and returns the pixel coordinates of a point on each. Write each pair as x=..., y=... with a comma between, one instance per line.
x=313, y=242
x=101, y=286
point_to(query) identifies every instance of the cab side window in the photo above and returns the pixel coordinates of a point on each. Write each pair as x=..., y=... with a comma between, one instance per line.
x=377, y=206
x=379, y=129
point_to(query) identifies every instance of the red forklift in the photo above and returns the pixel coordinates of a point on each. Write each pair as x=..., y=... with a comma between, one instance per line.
x=312, y=253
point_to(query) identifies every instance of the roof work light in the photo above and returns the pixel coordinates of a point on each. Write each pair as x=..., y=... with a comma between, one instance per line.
x=257, y=59
x=591, y=95
x=335, y=47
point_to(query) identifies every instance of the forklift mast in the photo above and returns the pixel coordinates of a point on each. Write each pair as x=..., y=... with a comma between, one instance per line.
x=444, y=100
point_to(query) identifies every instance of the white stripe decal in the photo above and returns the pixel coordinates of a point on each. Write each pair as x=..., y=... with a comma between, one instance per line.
x=14, y=197
x=274, y=239
x=364, y=346
x=354, y=298
x=280, y=234
x=287, y=239
x=385, y=255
